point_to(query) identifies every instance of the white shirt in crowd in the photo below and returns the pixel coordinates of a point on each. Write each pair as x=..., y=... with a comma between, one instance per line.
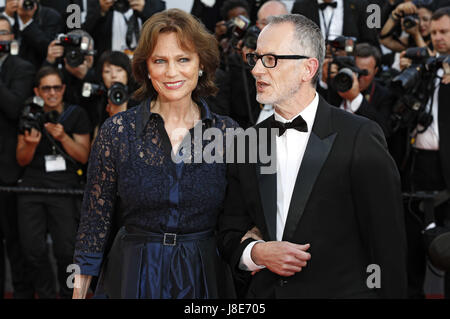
x=332, y=17
x=429, y=140
x=290, y=148
x=119, y=31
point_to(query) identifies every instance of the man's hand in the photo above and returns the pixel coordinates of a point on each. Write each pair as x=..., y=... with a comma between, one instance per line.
x=351, y=94
x=56, y=130
x=54, y=51
x=404, y=9
x=32, y=137
x=105, y=5
x=404, y=62
x=11, y=7
x=26, y=15
x=281, y=257
x=220, y=29
x=137, y=5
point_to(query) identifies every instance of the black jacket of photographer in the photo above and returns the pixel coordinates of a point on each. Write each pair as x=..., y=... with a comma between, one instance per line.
x=75, y=121
x=376, y=105
x=36, y=37
x=16, y=83
x=235, y=87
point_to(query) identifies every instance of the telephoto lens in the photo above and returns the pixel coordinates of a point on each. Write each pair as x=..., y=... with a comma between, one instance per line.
x=118, y=93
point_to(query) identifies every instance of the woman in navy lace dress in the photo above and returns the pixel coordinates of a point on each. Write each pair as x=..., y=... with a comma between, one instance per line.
x=147, y=158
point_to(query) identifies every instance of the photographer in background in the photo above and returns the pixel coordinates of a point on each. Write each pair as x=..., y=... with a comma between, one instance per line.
x=34, y=27
x=114, y=87
x=73, y=54
x=16, y=82
x=414, y=18
x=351, y=84
x=429, y=159
x=237, y=90
x=53, y=141
x=228, y=32
x=116, y=25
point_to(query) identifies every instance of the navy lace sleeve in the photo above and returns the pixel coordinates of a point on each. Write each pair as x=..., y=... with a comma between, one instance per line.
x=99, y=198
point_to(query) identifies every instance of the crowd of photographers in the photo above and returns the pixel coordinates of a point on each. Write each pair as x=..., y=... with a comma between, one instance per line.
x=58, y=85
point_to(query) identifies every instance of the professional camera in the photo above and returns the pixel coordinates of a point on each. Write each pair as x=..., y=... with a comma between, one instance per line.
x=346, y=44
x=118, y=93
x=250, y=37
x=121, y=5
x=343, y=81
x=75, y=48
x=236, y=28
x=415, y=85
x=28, y=4
x=11, y=47
x=33, y=115
x=92, y=89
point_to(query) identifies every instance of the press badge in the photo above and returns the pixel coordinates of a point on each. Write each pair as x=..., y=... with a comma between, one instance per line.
x=54, y=163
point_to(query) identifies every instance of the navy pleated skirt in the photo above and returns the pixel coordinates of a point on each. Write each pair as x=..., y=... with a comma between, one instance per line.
x=145, y=265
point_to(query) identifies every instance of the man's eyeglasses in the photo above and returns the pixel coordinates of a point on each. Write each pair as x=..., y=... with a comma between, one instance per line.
x=48, y=88
x=270, y=60
x=5, y=32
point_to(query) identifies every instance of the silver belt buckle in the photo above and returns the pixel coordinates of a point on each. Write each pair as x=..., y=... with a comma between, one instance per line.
x=170, y=239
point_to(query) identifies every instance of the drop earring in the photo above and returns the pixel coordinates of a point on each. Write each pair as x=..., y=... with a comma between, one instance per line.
x=149, y=77
x=200, y=72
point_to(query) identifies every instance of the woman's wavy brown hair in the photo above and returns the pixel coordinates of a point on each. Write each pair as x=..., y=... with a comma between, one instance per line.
x=192, y=36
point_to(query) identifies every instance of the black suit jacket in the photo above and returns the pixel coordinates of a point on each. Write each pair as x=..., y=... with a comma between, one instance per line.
x=355, y=18
x=100, y=28
x=376, y=105
x=444, y=130
x=346, y=203
x=16, y=82
x=47, y=24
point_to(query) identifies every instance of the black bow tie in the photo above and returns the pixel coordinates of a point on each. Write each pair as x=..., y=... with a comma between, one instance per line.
x=298, y=123
x=324, y=5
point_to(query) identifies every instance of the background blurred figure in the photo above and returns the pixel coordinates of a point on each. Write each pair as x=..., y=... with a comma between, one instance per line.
x=16, y=82
x=340, y=17
x=50, y=155
x=117, y=27
x=34, y=28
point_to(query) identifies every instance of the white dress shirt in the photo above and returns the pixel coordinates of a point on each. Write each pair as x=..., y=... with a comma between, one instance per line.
x=336, y=15
x=429, y=140
x=352, y=106
x=290, y=148
x=119, y=31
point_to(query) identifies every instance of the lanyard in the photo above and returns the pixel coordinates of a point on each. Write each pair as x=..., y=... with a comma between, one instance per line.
x=327, y=27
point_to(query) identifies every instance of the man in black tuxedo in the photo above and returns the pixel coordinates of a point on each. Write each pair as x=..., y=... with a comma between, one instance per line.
x=332, y=212
x=16, y=82
x=338, y=17
x=101, y=22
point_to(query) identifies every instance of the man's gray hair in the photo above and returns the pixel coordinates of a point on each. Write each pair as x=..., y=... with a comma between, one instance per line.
x=310, y=41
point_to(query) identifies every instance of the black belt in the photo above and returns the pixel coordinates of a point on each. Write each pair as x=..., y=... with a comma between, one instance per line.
x=167, y=239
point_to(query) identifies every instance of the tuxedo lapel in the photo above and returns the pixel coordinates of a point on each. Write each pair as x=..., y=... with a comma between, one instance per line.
x=349, y=26
x=319, y=145
x=444, y=129
x=314, y=7
x=267, y=183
